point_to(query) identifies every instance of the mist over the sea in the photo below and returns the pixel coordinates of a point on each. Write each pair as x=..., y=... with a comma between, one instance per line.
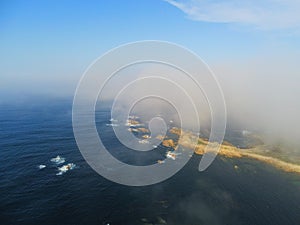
x=261, y=95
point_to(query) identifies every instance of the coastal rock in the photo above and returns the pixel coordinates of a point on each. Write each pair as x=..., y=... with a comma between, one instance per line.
x=169, y=143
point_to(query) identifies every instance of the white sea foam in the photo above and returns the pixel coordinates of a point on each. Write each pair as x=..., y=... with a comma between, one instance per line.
x=58, y=160
x=133, y=117
x=65, y=168
x=41, y=166
x=143, y=141
x=112, y=125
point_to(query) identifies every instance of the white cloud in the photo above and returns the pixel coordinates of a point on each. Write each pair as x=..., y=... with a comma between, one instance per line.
x=261, y=14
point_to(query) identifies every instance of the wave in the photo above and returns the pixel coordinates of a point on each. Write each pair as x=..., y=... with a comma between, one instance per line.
x=65, y=168
x=58, y=160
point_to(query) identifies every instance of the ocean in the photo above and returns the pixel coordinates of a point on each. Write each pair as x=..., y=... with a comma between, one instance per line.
x=32, y=133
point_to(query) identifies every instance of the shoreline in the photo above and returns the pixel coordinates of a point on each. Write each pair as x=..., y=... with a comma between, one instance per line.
x=229, y=151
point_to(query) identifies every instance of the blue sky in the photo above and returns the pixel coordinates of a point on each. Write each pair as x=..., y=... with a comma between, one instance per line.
x=46, y=45
x=67, y=28
x=253, y=47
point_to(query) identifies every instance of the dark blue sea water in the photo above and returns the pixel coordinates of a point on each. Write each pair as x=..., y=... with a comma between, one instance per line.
x=32, y=133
